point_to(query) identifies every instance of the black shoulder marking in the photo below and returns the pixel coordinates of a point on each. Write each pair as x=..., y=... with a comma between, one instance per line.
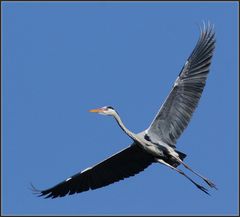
x=147, y=137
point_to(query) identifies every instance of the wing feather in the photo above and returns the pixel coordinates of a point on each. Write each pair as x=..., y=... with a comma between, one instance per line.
x=176, y=112
x=123, y=164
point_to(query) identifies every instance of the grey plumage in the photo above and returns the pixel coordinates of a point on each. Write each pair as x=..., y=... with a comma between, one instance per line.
x=176, y=112
x=157, y=143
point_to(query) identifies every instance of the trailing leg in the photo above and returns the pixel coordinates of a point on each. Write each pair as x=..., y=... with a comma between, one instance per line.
x=182, y=173
x=210, y=183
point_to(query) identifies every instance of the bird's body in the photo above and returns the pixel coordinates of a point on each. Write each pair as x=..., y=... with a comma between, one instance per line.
x=157, y=144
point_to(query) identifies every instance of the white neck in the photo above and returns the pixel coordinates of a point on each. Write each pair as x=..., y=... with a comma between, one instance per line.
x=127, y=131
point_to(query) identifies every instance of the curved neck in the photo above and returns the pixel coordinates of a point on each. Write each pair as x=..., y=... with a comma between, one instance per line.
x=120, y=123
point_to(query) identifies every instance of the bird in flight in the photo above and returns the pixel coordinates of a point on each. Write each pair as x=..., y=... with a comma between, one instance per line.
x=157, y=143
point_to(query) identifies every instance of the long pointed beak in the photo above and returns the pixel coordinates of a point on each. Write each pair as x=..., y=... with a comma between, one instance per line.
x=96, y=110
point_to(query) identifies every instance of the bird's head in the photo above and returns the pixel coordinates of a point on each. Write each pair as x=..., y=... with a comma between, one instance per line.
x=106, y=110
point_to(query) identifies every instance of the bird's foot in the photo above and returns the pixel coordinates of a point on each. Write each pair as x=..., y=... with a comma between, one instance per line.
x=211, y=184
x=202, y=189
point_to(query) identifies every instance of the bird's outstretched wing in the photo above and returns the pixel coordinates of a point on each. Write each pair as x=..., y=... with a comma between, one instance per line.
x=176, y=112
x=123, y=164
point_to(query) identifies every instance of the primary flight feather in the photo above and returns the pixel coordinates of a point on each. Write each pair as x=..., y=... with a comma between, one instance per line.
x=157, y=144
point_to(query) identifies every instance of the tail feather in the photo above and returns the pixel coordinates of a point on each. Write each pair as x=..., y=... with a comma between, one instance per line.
x=172, y=161
x=181, y=155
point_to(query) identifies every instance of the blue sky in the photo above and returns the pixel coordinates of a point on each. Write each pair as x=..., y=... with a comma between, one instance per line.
x=60, y=59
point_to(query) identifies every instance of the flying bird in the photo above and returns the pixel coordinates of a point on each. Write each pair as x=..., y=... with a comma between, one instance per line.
x=156, y=144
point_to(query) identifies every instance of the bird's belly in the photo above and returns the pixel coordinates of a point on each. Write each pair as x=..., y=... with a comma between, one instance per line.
x=153, y=149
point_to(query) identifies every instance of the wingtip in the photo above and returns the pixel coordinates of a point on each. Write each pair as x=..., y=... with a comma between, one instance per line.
x=206, y=26
x=35, y=191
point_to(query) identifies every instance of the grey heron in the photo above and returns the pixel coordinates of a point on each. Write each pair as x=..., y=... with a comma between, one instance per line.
x=156, y=144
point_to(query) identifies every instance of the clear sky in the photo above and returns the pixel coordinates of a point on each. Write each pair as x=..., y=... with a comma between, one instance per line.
x=60, y=59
